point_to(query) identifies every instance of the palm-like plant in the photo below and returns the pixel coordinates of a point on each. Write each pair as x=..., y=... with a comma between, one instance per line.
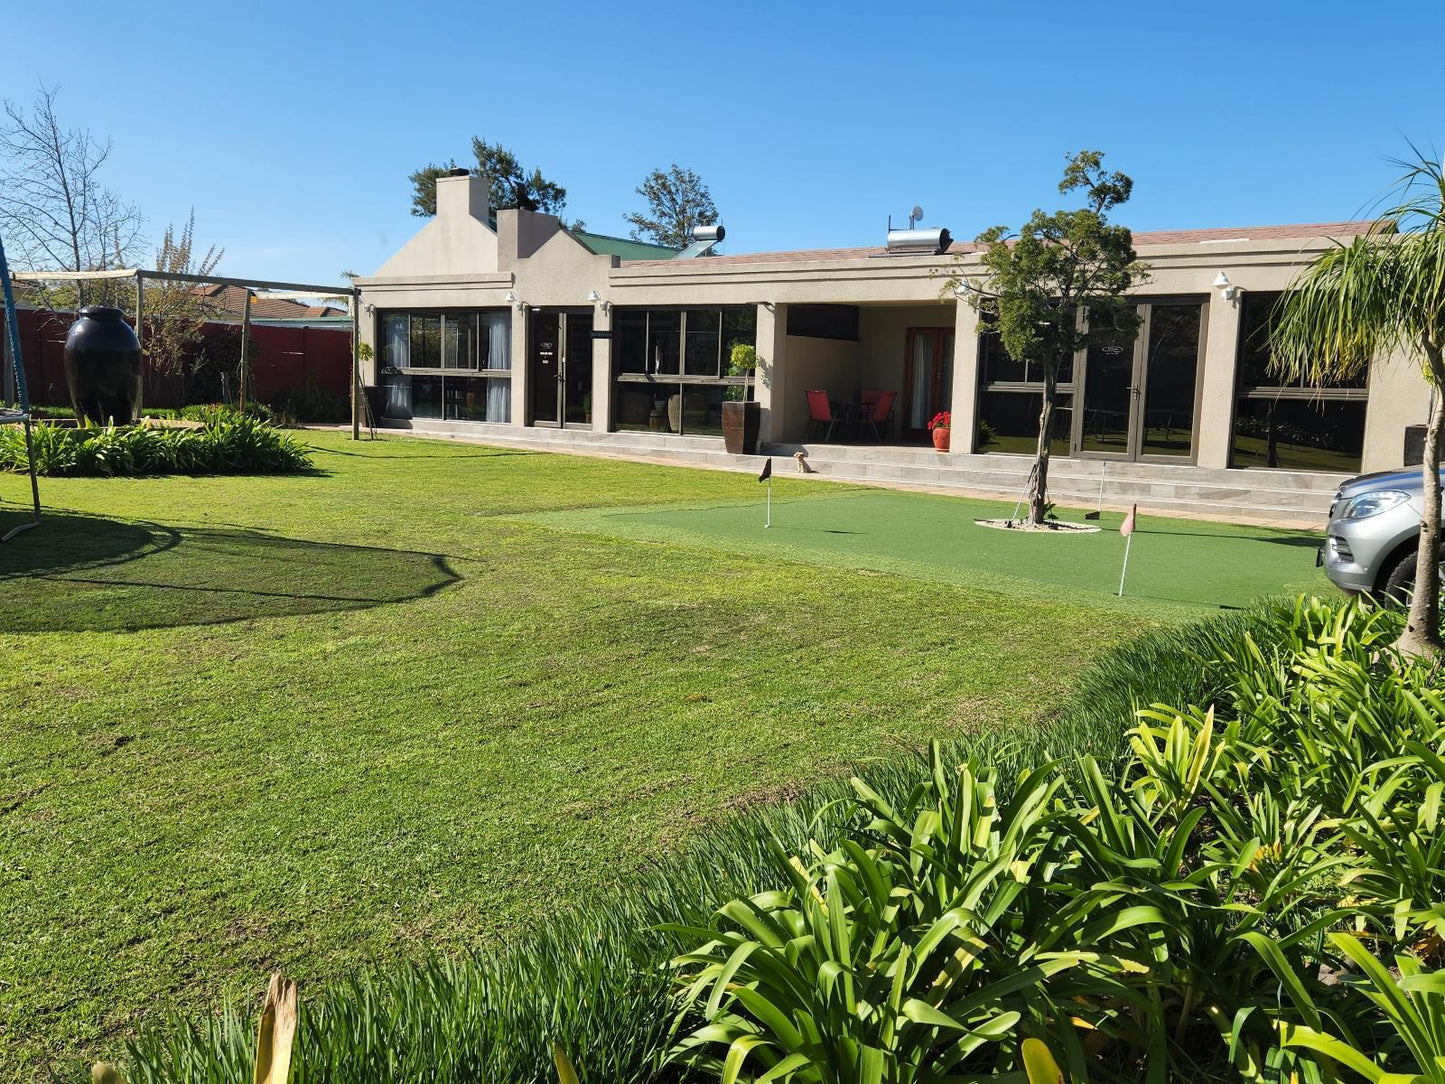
x=1383, y=291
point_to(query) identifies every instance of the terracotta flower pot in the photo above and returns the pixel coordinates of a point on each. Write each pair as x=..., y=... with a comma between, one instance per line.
x=940, y=439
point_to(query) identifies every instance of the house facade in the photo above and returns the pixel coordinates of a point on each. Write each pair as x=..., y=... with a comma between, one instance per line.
x=522, y=325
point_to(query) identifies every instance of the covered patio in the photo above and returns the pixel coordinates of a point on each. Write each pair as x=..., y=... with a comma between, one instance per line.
x=871, y=373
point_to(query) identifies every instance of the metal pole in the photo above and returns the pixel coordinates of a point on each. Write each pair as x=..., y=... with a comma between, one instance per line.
x=140, y=311
x=245, y=350
x=10, y=396
x=1125, y=571
x=356, y=365
x=769, y=523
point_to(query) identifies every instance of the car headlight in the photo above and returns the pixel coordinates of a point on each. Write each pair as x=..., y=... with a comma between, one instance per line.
x=1372, y=504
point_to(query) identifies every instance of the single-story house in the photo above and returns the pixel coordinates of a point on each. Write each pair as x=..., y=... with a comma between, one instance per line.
x=509, y=324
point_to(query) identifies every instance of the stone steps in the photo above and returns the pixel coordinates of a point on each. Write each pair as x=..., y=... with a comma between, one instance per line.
x=1281, y=497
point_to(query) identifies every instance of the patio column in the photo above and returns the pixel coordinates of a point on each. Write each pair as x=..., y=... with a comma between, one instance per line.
x=771, y=389
x=963, y=400
x=520, y=390
x=602, y=371
x=1216, y=389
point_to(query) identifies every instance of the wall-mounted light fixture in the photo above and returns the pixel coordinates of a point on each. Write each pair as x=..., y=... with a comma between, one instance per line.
x=1227, y=289
x=511, y=299
x=595, y=298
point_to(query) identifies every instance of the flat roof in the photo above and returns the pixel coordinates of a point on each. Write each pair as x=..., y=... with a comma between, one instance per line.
x=1142, y=239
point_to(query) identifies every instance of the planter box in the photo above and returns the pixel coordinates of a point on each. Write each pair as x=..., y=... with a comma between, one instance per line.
x=740, y=425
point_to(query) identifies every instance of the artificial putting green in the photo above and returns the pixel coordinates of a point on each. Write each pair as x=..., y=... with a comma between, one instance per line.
x=1172, y=562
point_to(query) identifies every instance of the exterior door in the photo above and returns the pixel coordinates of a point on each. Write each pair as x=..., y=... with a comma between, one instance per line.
x=560, y=347
x=1141, y=390
x=927, y=379
x=545, y=376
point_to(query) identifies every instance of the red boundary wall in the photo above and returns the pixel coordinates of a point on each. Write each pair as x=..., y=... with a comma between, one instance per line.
x=287, y=359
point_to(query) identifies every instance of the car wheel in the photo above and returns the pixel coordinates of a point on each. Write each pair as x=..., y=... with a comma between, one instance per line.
x=1399, y=581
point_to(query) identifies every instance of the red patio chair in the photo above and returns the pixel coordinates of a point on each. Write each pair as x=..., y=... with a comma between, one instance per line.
x=879, y=412
x=820, y=413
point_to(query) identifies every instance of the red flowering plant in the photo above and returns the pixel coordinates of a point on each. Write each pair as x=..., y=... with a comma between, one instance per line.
x=940, y=421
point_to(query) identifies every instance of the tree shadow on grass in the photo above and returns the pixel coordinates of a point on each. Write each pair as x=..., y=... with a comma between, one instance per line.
x=86, y=574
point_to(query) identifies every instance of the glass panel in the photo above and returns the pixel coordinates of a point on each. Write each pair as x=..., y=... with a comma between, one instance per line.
x=629, y=346
x=702, y=409
x=1009, y=422
x=739, y=325
x=577, y=392
x=1299, y=434
x=637, y=406
x=468, y=399
x=395, y=353
x=494, y=341
x=701, y=350
x=664, y=332
x=920, y=365
x=1255, y=323
x=546, y=365
x=1108, y=395
x=459, y=340
x=1169, y=383
x=426, y=340
x=398, y=396
x=997, y=365
x=426, y=396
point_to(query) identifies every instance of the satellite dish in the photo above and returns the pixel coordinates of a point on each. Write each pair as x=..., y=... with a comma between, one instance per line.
x=916, y=214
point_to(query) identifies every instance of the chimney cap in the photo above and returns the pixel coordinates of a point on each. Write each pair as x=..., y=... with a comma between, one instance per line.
x=459, y=171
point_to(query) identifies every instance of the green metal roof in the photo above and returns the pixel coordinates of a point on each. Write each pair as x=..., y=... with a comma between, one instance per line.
x=622, y=247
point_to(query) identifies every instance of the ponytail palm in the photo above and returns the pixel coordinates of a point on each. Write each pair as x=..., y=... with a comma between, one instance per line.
x=1383, y=292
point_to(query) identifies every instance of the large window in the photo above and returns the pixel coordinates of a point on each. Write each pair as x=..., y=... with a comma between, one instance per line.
x=670, y=366
x=1011, y=400
x=1290, y=426
x=453, y=365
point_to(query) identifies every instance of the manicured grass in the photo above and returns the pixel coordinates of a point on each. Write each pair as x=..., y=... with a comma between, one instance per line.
x=419, y=700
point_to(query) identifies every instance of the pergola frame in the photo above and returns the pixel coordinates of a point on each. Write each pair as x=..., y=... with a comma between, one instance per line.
x=291, y=290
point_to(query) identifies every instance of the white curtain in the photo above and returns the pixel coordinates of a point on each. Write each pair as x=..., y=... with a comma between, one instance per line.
x=398, y=354
x=918, y=398
x=499, y=356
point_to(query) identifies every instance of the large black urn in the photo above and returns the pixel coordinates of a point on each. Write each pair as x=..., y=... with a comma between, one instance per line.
x=103, y=367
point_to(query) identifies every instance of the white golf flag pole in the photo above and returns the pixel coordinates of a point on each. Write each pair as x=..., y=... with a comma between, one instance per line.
x=767, y=476
x=1127, y=530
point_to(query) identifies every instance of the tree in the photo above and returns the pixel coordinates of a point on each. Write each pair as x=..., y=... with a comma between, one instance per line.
x=1058, y=287
x=1382, y=292
x=176, y=311
x=677, y=200
x=54, y=209
x=509, y=184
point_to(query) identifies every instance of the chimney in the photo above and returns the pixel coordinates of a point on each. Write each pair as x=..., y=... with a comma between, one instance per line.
x=459, y=193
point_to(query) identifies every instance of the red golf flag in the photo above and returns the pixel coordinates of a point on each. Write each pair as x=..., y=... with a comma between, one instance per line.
x=1127, y=527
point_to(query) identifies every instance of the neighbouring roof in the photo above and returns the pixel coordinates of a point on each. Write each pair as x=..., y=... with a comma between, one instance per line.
x=1142, y=239
x=626, y=248
x=231, y=301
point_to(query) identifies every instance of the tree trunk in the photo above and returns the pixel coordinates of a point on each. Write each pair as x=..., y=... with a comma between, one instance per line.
x=1039, y=490
x=1422, y=625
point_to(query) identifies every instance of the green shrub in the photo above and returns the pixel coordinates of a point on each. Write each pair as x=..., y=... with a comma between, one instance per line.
x=236, y=445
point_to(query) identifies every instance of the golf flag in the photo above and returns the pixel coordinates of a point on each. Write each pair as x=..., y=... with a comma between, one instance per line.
x=767, y=476
x=1127, y=530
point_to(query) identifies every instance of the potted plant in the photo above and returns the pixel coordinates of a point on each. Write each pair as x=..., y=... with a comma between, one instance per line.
x=939, y=428
x=741, y=417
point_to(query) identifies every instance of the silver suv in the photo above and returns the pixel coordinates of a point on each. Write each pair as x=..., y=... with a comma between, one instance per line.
x=1374, y=533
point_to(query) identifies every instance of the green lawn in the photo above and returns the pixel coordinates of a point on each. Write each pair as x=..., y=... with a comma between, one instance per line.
x=416, y=700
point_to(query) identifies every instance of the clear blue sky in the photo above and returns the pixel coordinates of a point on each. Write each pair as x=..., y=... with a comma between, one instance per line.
x=291, y=128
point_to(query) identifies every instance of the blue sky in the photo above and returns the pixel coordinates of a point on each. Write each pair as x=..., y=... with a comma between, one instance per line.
x=291, y=129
